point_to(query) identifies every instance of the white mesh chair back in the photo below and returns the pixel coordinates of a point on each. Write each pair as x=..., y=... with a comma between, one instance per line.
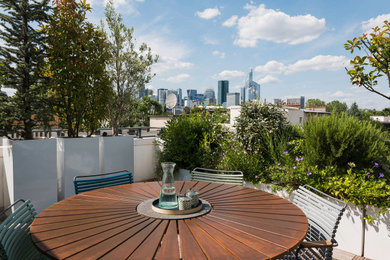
x=220, y=176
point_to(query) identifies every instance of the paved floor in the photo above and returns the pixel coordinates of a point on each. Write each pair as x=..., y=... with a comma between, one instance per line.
x=343, y=255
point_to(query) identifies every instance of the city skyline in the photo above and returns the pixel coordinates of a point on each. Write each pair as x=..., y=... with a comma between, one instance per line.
x=295, y=48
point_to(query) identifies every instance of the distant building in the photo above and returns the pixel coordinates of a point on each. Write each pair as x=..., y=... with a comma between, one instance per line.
x=180, y=97
x=296, y=102
x=142, y=92
x=162, y=94
x=209, y=93
x=223, y=89
x=277, y=101
x=191, y=93
x=233, y=99
x=251, y=90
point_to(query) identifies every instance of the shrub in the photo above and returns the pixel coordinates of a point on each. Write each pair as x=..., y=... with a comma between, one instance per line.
x=337, y=140
x=192, y=141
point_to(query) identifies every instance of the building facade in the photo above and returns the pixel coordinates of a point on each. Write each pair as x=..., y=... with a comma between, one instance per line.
x=233, y=99
x=223, y=89
x=251, y=89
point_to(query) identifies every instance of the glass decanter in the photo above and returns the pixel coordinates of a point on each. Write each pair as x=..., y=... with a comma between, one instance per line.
x=168, y=197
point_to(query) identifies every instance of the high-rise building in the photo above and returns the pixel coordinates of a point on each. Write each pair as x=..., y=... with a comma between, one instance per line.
x=251, y=89
x=191, y=93
x=162, y=95
x=233, y=99
x=142, y=92
x=223, y=89
x=277, y=101
x=180, y=97
x=209, y=93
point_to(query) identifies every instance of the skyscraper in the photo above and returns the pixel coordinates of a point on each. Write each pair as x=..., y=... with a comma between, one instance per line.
x=162, y=95
x=191, y=93
x=251, y=90
x=223, y=89
x=179, y=97
x=233, y=99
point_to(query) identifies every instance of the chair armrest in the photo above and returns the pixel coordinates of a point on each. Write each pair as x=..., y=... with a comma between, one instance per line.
x=316, y=244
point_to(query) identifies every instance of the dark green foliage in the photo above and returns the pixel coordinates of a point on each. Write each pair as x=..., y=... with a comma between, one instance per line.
x=354, y=111
x=6, y=114
x=22, y=56
x=337, y=140
x=192, y=141
x=146, y=108
x=77, y=68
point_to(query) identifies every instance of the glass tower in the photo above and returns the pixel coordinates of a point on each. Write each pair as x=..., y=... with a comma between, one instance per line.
x=223, y=89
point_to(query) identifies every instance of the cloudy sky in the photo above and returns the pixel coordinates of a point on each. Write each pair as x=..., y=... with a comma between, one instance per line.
x=294, y=47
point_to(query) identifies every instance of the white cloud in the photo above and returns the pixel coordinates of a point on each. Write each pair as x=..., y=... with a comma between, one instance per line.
x=219, y=54
x=276, y=26
x=172, y=54
x=231, y=21
x=226, y=74
x=269, y=80
x=208, y=13
x=341, y=94
x=373, y=22
x=178, y=78
x=319, y=62
x=210, y=41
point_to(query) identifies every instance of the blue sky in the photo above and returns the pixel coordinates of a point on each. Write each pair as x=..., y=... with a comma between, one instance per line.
x=294, y=47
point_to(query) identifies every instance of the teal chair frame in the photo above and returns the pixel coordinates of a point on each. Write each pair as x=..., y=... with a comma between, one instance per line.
x=84, y=183
x=324, y=214
x=219, y=176
x=15, y=238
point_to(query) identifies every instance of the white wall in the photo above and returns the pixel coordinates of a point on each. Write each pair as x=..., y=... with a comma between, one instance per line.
x=145, y=159
x=43, y=170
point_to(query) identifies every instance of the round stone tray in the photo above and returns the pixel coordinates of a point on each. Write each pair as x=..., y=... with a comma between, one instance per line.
x=148, y=208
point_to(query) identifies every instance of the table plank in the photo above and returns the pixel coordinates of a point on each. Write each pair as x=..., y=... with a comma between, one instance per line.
x=189, y=246
x=169, y=249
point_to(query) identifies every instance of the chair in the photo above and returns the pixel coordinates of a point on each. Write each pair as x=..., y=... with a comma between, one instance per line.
x=220, y=176
x=92, y=182
x=15, y=239
x=324, y=213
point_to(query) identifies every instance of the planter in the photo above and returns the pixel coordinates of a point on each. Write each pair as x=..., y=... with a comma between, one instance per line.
x=182, y=175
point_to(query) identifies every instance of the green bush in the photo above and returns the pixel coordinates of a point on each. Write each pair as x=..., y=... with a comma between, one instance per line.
x=337, y=140
x=192, y=141
x=261, y=134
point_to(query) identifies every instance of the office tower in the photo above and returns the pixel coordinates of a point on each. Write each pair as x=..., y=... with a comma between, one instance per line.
x=191, y=93
x=251, y=90
x=277, y=101
x=209, y=93
x=233, y=99
x=180, y=97
x=142, y=92
x=223, y=89
x=162, y=95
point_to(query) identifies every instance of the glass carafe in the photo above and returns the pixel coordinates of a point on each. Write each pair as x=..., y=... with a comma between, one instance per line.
x=168, y=198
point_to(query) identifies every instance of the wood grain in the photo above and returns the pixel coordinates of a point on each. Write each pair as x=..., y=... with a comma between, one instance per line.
x=104, y=224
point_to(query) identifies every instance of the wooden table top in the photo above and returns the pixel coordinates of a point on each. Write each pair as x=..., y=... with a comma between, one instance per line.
x=104, y=224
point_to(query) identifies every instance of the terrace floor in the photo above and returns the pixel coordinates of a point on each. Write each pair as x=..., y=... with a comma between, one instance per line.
x=339, y=254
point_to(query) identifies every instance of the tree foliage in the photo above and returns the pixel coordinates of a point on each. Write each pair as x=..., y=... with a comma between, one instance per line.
x=77, y=68
x=22, y=56
x=129, y=67
x=315, y=102
x=375, y=63
x=336, y=106
x=354, y=111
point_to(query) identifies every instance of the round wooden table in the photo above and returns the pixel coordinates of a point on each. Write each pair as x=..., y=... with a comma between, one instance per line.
x=104, y=224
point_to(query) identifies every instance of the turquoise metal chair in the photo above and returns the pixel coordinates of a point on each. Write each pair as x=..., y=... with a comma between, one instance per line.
x=15, y=239
x=219, y=176
x=323, y=213
x=92, y=182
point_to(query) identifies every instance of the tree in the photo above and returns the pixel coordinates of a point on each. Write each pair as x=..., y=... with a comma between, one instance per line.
x=354, y=111
x=336, y=106
x=77, y=68
x=315, y=102
x=6, y=114
x=376, y=63
x=22, y=57
x=148, y=107
x=130, y=67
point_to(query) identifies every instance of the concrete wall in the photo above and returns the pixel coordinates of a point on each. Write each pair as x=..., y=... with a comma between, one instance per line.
x=145, y=159
x=159, y=121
